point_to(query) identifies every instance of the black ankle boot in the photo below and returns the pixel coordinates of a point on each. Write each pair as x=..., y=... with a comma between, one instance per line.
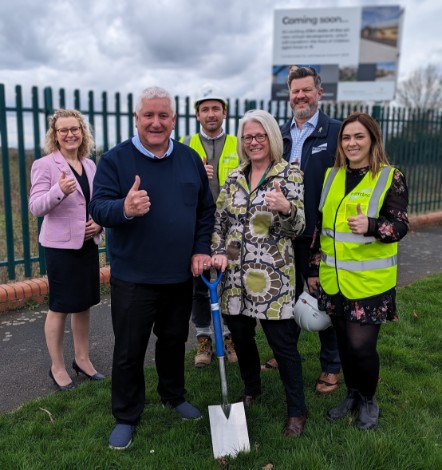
x=368, y=413
x=344, y=408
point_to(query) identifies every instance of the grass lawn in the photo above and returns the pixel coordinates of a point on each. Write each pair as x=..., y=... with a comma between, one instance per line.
x=70, y=430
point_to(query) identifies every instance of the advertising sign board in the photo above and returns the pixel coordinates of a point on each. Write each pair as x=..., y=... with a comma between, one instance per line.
x=355, y=50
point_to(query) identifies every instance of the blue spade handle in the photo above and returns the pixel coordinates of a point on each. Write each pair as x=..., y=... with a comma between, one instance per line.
x=216, y=317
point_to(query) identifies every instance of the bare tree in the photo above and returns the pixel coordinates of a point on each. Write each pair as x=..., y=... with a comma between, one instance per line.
x=422, y=89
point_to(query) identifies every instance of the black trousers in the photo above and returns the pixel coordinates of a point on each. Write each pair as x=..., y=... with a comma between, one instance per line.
x=282, y=336
x=136, y=310
x=201, y=313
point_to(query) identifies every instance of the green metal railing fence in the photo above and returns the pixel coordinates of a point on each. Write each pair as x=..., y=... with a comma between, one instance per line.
x=413, y=139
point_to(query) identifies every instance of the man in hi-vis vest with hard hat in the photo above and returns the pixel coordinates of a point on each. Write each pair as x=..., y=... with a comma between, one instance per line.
x=218, y=152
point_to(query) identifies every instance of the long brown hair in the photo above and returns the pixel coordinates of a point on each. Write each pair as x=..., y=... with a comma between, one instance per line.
x=377, y=156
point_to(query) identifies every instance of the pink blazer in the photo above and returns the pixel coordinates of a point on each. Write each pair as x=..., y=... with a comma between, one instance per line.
x=64, y=222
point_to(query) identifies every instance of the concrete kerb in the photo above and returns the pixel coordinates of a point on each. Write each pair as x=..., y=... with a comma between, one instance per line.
x=17, y=295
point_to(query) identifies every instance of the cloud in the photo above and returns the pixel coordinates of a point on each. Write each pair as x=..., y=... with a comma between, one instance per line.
x=126, y=45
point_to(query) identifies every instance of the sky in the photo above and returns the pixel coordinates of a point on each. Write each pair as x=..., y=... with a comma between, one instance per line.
x=127, y=45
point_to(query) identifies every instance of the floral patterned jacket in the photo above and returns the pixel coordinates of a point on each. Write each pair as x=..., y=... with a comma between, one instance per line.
x=260, y=277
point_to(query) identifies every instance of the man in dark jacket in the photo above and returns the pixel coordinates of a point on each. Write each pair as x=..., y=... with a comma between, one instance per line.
x=153, y=195
x=310, y=140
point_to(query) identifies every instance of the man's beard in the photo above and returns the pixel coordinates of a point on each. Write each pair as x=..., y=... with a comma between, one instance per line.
x=305, y=113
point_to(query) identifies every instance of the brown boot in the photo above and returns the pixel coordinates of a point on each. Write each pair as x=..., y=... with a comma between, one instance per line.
x=229, y=350
x=271, y=364
x=294, y=426
x=327, y=382
x=204, y=352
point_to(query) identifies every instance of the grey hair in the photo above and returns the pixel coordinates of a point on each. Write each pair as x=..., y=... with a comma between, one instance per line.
x=152, y=93
x=271, y=128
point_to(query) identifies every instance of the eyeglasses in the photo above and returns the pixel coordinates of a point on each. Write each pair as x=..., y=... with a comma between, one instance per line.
x=64, y=131
x=248, y=139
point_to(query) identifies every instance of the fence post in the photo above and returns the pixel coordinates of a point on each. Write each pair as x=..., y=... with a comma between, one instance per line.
x=250, y=104
x=130, y=109
x=77, y=101
x=48, y=104
x=91, y=119
x=6, y=186
x=105, y=123
x=36, y=125
x=117, y=118
x=22, y=182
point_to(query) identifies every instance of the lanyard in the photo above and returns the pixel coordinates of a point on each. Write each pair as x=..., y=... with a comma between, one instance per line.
x=262, y=178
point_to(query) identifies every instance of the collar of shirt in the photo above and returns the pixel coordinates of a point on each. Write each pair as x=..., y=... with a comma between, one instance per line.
x=312, y=122
x=137, y=142
x=212, y=138
x=300, y=135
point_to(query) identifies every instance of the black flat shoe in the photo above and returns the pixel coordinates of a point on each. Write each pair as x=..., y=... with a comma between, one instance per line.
x=96, y=376
x=61, y=388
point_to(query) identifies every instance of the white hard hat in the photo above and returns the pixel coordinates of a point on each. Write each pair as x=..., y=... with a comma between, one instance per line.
x=308, y=316
x=210, y=92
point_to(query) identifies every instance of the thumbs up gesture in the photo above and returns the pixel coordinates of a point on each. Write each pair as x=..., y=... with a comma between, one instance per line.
x=67, y=185
x=358, y=223
x=276, y=201
x=137, y=201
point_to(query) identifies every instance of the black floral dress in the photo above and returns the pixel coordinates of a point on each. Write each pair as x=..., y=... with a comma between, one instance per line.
x=391, y=226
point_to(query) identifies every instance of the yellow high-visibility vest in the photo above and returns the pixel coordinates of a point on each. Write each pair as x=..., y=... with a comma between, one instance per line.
x=353, y=264
x=228, y=160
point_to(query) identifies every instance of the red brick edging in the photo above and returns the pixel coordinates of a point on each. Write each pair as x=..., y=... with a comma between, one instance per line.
x=17, y=295
x=423, y=220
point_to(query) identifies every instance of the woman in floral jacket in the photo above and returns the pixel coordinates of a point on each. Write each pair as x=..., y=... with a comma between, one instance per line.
x=259, y=210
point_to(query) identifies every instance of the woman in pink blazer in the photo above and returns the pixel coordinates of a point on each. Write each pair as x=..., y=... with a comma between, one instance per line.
x=61, y=188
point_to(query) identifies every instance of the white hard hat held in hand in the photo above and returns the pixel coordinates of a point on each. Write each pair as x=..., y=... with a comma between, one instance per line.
x=308, y=316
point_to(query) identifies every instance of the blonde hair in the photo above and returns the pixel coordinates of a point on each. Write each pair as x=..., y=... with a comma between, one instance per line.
x=270, y=127
x=377, y=155
x=51, y=144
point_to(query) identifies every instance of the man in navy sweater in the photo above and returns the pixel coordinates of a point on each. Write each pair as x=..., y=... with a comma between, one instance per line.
x=310, y=141
x=153, y=195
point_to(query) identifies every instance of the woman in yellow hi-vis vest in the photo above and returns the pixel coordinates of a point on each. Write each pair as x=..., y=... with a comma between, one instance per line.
x=363, y=210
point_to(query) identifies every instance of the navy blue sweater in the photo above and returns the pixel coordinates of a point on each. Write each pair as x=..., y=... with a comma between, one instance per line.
x=155, y=248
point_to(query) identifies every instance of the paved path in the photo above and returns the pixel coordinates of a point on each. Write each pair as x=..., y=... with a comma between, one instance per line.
x=25, y=362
